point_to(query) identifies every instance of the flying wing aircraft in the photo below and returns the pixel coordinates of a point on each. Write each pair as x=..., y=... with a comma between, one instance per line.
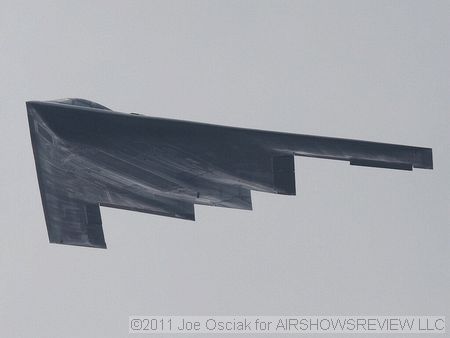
x=88, y=156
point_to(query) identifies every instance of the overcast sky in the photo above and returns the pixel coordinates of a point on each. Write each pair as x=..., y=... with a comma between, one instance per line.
x=353, y=241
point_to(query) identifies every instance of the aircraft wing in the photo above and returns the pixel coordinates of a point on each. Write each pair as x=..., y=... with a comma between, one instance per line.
x=89, y=156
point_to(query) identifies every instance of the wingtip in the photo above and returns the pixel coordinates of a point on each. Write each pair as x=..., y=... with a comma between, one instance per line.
x=85, y=245
x=423, y=158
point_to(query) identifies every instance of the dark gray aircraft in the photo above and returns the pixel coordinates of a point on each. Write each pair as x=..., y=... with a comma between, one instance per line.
x=89, y=156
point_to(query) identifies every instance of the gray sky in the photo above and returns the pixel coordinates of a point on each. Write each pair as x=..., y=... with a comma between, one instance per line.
x=353, y=241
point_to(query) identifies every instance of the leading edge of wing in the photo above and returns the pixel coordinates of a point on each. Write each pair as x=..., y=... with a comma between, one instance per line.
x=357, y=152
